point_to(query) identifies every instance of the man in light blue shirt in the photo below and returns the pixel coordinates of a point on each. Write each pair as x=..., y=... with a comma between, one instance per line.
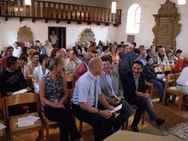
x=92, y=87
x=85, y=99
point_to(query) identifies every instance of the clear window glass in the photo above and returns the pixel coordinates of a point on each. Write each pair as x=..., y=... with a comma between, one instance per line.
x=181, y=2
x=133, y=19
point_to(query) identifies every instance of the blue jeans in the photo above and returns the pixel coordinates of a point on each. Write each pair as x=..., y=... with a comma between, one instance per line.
x=159, y=84
x=142, y=105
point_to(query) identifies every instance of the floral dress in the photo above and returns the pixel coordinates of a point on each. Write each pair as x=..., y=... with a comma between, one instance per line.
x=54, y=90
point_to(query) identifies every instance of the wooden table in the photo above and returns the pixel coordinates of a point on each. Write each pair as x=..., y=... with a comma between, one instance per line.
x=122, y=135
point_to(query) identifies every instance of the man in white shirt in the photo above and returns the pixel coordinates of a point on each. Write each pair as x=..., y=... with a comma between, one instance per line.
x=72, y=62
x=182, y=81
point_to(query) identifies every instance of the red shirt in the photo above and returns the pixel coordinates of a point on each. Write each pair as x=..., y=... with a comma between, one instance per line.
x=4, y=63
x=82, y=68
x=180, y=64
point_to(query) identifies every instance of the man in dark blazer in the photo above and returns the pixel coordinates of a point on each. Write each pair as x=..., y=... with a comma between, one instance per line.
x=112, y=89
x=134, y=92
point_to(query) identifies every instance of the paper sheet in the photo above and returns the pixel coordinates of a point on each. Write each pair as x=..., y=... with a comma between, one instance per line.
x=20, y=91
x=160, y=76
x=2, y=126
x=116, y=108
x=26, y=121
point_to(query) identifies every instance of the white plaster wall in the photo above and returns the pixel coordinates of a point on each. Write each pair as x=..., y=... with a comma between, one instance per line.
x=9, y=29
x=182, y=37
x=148, y=8
x=146, y=35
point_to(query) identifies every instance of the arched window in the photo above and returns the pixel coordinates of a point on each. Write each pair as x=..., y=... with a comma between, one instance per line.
x=133, y=19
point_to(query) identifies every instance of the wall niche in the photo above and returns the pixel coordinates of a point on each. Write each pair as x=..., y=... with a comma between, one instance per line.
x=88, y=35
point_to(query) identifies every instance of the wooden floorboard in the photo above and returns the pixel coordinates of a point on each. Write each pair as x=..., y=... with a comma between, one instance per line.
x=87, y=133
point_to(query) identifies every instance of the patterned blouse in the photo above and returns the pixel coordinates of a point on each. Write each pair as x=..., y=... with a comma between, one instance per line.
x=54, y=90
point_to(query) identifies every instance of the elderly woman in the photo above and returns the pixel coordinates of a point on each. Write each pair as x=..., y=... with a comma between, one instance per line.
x=53, y=93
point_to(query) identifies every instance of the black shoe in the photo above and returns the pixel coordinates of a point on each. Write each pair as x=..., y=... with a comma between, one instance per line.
x=135, y=128
x=159, y=121
x=186, y=106
x=168, y=102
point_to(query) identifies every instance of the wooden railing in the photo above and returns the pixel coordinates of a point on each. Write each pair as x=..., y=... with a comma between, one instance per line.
x=58, y=12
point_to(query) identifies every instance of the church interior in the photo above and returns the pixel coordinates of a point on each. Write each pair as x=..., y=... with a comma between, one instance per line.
x=68, y=24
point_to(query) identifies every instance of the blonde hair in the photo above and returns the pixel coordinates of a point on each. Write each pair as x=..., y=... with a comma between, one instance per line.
x=53, y=62
x=31, y=51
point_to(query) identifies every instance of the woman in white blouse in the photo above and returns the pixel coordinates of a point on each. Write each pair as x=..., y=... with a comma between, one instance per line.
x=182, y=81
x=40, y=71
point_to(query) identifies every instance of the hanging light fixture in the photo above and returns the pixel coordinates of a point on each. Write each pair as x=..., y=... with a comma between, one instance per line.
x=27, y=2
x=113, y=7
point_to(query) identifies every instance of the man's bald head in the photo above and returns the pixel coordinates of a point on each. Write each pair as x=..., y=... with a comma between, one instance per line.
x=95, y=65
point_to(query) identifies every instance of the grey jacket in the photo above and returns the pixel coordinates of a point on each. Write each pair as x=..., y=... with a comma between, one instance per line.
x=116, y=84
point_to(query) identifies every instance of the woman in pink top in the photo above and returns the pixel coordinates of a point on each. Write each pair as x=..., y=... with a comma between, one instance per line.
x=23, y=66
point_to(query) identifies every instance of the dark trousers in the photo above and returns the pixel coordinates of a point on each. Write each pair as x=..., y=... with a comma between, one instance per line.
x=66, y=121
x=101, y=127
x=142, y=105
x=123, y=114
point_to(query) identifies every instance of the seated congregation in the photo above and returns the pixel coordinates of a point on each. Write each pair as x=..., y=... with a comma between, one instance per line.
x=105, y=76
